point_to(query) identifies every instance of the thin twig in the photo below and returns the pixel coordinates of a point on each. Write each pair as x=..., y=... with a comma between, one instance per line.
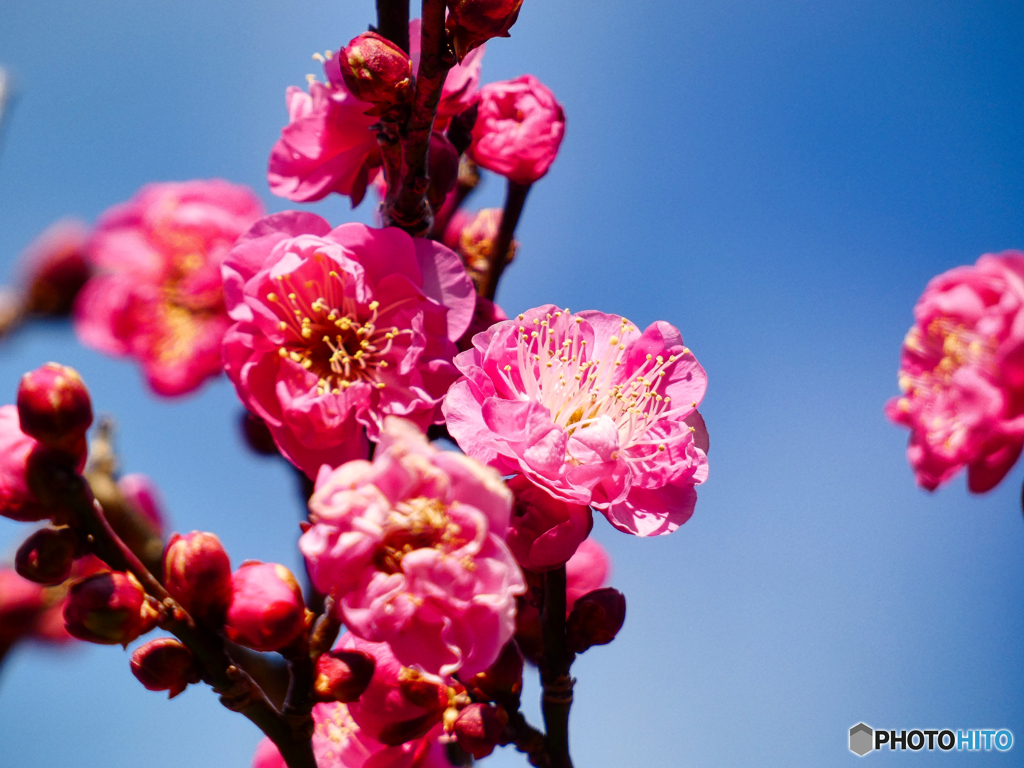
x=554, y=674
x=238, y=691
x=408, y=208
x=393, y=21
x=515, y=199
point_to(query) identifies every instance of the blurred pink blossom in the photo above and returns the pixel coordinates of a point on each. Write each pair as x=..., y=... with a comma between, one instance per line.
x=54, y=267
x=157, y=296
x=338, y=328
x=17, y=501
x=518, y=129
x=962, y=374
x=412, y=547
x=590, y=409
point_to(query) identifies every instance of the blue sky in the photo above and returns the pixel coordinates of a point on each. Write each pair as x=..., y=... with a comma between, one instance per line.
x=779, y=180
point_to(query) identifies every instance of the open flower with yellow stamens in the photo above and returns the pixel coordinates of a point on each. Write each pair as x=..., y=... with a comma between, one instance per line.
x=589, y=408
x=962, y=374
x=412, y=548
x=338, y=328
x=156, y=295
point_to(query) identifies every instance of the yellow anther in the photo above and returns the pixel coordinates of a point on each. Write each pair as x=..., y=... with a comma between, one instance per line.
x=271, y=296
x=374, y=305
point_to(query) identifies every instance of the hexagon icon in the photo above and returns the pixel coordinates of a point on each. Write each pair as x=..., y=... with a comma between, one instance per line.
x=861, y=739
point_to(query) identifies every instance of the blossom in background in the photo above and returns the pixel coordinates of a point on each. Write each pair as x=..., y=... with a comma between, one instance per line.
x=590, y=409
x=339, y=743
x=412, y=547
x=472, y=237
x=338, y=328
x=29, y=611
x=962, y=374
x=157, y=294
x=518, y=129
x=328, y=145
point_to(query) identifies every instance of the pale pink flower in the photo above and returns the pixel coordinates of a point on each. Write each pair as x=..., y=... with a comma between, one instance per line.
x=339, y=328
x=590, y=409
x=338, y=742
x=411, y=545
x=518, y=129
x=328, y=145
x=158, y=295
x=544, y=532
x=962, y=374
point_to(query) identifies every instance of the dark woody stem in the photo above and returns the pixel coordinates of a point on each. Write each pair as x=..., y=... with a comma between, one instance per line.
x=554, y=673
x=237, y=690
x=515, y=199
x=408, y=207
x=393, y=21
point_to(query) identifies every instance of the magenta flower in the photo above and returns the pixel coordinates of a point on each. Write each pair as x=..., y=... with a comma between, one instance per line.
x=412, y=548
x=338, y=328
x=158, y=295
x=962, y=374
x=544, y=532
x=328, y=145
x=590, y=409
x=338, y=742
x=518, y=129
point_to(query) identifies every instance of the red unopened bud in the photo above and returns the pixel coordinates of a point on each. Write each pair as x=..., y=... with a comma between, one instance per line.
x=164, y=664
x=55, y=268
x=257, y=435
x=54, y=407
x=473, y=22
x=47, y=555
x=595, y=619
x=376, y=71
x=197, y=573
x=478, y=729
x=109, y=608
x=267, y=611
x=343, y=675
x=504, y=677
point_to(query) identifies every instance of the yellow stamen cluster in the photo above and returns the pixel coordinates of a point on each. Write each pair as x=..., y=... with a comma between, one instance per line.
x=418, y=523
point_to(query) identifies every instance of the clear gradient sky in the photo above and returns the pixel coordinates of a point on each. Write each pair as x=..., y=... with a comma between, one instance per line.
x=777, y=178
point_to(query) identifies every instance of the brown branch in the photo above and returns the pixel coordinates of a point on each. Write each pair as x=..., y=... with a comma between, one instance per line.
x=407, y=206
x=237, y=690
x=515, y=199
x=393, y=21
x=554, y=672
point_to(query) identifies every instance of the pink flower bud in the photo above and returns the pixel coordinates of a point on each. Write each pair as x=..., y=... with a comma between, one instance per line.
x=595, y=619
x=518, y=130
x=377, y=71
x=478, y=729
x=504, y=677
x=473, y=22
x=197, y=573
x=544, y=532
x=267, y=611
x=109, y=608
x=164, y=664
x=54, y=406
x=343, y=675
x=55, y=268
x=47, y=555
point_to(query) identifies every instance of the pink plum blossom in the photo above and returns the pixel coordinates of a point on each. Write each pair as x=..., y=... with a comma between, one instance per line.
x=590, y=409
x=158, y=294
x=518, y=129
x=338, y=742
x=962, y=374
x=328, y=145
x=338, y=328
x=411, y=545
x=545, y=531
